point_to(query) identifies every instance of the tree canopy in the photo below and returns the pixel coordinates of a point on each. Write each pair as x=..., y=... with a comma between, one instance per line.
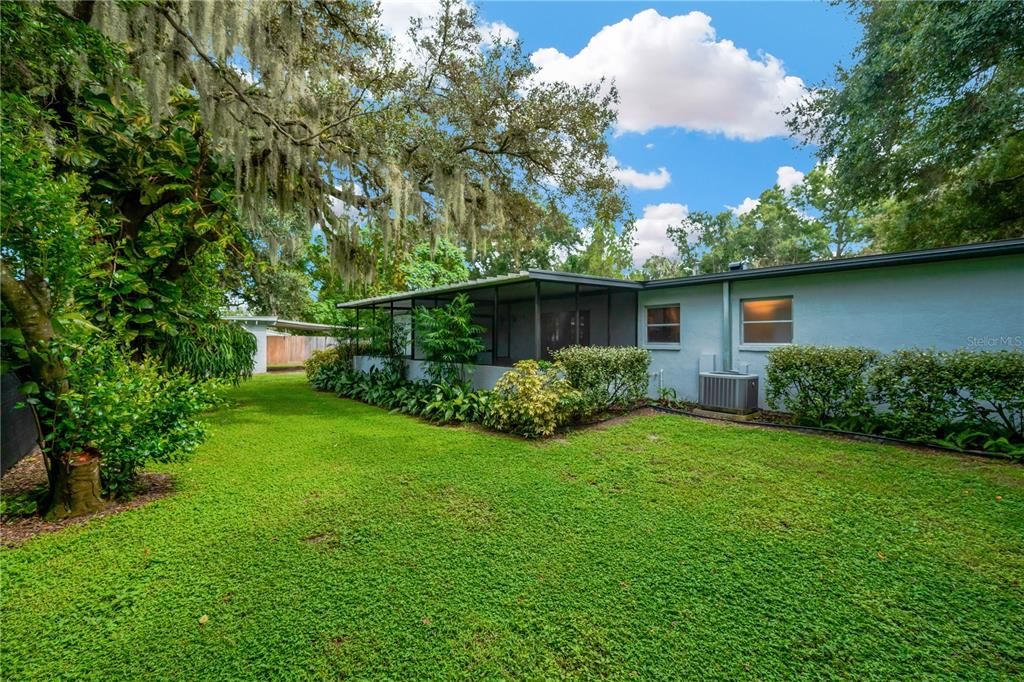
x=925, y=129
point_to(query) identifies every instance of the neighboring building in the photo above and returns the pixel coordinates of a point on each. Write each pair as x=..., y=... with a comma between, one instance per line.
x=958, y=297
x=276, y=348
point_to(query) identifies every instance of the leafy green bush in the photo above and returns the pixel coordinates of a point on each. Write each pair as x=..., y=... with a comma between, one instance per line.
x=442, y=403
x=129, y=412
x=606, y=376
x=959, y=399
x=455, y=403
x=821, y=384
x=213, y=350
x=917, y=392
x=992, y=390
x=339, y=356
x=450, y=340
x=962, y=398
x=531, y=401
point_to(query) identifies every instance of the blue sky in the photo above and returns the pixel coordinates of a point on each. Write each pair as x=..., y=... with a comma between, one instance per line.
x=699, y=87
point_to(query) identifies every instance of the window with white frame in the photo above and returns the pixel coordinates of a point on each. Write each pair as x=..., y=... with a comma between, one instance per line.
x=767, y=320
x=663, y=324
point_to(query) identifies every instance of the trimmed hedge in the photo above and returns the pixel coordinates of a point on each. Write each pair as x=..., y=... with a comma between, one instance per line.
x=962, y=399
x=820, y=384
x=606, y=376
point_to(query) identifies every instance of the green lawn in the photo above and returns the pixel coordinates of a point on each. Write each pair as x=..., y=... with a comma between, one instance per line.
x=324, y=538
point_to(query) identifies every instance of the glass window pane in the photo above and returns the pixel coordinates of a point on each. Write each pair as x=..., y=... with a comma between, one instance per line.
x=768, y=332
x=666, y=334
x=666, y=315
x=768, y=310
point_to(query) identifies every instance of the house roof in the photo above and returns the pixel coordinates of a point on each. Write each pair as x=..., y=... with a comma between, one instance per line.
x=486, y=282
x=277, y=323
x=987, y=249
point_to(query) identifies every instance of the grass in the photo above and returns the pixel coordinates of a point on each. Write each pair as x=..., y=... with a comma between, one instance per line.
x=322, y=538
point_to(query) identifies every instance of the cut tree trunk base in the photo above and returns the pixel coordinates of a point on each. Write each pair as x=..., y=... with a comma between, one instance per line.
x=76, y=490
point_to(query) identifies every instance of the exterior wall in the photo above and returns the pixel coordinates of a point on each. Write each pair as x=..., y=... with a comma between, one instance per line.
x=700, y=335
x=482, y=376
x=974, y=304
x=259, y=360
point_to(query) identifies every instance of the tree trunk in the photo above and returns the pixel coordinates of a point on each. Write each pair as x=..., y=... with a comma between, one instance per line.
x=76, y=489
x=28, y=300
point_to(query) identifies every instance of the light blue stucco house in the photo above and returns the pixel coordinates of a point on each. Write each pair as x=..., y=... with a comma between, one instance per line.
x=968, y=296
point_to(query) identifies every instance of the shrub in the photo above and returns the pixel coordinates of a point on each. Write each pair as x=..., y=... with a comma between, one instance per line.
x=130, y=412
x=455, y=403
x=606, y=377
x=821, y=384
x=339, y=356
x=968, y=398
x=531, y=401
x=450, y=340
x=960, y=399
x=993, y=385
x=916, y=392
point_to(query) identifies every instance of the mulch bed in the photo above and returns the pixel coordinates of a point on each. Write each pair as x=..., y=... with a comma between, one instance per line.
x=29, y=475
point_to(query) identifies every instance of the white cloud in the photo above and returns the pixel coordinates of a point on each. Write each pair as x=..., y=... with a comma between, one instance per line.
x=745, y=206
x=788, y=177
x=651, y=231
x=630, y=177
x=673, y=72
x=649, y=145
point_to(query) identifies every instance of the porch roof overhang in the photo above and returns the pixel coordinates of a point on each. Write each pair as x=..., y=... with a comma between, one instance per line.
x=503, y=280
x=277, y=323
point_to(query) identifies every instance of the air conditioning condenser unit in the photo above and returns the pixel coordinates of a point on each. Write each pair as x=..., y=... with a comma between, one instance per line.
x=728, y=392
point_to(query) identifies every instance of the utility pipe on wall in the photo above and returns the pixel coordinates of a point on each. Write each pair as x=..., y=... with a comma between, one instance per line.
x=726, y=328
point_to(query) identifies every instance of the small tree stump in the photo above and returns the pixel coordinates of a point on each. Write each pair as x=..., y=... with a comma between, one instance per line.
x=76, y=489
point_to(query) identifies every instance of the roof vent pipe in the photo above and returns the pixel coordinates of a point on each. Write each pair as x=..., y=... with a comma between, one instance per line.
x=738, y=265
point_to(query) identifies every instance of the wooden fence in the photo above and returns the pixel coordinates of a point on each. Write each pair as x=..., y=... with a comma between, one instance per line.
x=285, y=351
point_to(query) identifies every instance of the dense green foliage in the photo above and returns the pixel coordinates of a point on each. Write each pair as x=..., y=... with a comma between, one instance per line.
x=389, y=337
x=433, y=265
x=532, y=400
x=811, y=221
x=450, y=340
x=214, y=350
x=129, y=411
x=338, y=540
x=607, y=377
x=820, y=384
x=339, y=356
x=925, y=127
x=437, y=402
x=607, y=253
x=148, y=179
x=961, y=399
